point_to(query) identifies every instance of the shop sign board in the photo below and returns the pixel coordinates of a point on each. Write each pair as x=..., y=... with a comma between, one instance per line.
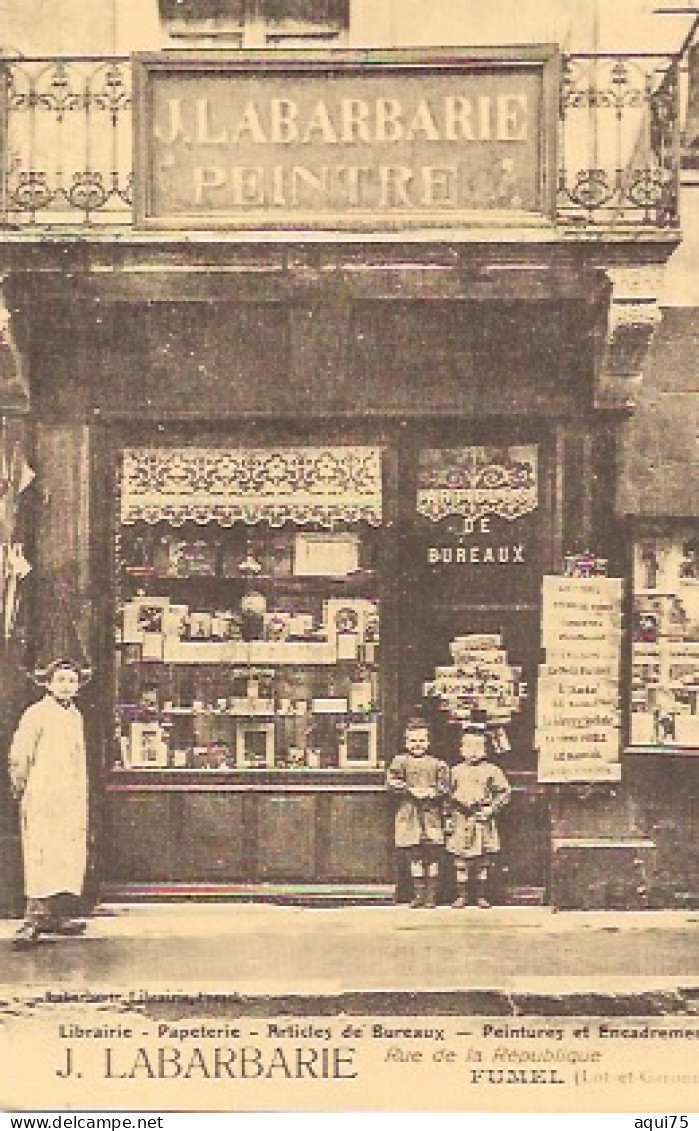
x=578, y=716
x=366, y=140
x=478, y=521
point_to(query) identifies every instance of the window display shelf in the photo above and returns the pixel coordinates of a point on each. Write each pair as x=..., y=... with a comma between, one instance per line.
x=233, y=780
x=664, y=751
x=190, y=712
x=241, y=650
x=303, y=653
x=268, y=580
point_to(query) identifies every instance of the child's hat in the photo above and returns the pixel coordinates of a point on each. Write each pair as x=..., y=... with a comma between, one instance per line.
x=477, y=723
x=417, y=722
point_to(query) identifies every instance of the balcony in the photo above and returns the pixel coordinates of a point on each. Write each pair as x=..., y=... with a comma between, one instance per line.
x=66, y=146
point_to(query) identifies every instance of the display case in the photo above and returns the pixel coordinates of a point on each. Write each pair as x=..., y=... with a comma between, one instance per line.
x=665, y=648
x=246, y=642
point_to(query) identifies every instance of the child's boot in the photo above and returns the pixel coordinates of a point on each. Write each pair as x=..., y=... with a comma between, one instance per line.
x=461, y=894
x=419, y=892
x=431, y=891
x=69, y=928
x=482, y=890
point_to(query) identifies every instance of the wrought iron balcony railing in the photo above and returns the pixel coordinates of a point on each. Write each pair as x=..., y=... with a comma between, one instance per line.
x=66, y=143
x=67, y=146
x=619, y=141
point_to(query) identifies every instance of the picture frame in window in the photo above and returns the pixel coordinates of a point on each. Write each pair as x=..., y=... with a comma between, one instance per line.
x=144, y=616
x=254, y=745
x=147, y=747
x=358, y=746
x=325, y=555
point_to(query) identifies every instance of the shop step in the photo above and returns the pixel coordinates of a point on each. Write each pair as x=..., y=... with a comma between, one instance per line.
x=289, y=894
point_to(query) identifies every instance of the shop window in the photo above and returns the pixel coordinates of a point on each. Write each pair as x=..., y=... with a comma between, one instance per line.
x=665, y=647
x=252, y=22
x=231, y=10
x=248, y=610
x=476, y=570
x=287, y=19
x=199, y=20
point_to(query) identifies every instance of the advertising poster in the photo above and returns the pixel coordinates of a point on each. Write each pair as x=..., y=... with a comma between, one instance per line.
x=331, y=333
x=579, y=693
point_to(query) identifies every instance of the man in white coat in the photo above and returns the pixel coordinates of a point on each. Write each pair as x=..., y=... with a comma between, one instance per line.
x=48, y=773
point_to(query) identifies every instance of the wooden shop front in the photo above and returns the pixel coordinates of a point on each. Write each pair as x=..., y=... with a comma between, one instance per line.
x=284, y=507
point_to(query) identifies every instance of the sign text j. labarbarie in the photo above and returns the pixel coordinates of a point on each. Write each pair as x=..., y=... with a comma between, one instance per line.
x=233, y=145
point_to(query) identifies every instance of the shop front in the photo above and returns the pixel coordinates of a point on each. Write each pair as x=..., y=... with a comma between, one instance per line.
x=281, y=610
x=298, y=483
x=268, y=594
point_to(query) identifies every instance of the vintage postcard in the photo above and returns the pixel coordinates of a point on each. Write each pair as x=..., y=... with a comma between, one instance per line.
x=349, y=589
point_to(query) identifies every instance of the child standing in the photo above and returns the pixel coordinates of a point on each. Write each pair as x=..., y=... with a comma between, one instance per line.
x=421, y=782
x=478, y=791
x=48, y=775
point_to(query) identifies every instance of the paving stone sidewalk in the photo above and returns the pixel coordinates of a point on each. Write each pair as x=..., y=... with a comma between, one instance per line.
x=497, y=961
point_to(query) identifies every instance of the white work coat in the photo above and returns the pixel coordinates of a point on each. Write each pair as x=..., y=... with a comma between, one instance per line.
x=48, y=772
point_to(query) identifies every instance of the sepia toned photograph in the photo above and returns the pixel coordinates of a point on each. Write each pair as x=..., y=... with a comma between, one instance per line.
x=349, y=549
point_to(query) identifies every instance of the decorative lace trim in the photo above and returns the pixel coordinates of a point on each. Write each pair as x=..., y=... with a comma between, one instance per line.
x=302, y=485
x=478, y=481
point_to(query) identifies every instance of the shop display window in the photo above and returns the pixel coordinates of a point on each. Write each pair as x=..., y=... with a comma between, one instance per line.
x=665, y=648
x=228, y=20
x=247, y=628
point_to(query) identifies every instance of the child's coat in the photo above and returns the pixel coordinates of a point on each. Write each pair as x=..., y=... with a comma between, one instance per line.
x=477, y=793
x=422, y=784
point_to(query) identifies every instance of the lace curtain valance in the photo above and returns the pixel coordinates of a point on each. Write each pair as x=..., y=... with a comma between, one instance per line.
x=477, y=481
x=323, y=485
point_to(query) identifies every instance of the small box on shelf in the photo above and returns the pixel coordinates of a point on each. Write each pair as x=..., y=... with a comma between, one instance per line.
x=213, y=756
x=362, y=696
x=348, y=645
x=335, y=705
x=257, y=706
x=152, y=647
x=687, y=729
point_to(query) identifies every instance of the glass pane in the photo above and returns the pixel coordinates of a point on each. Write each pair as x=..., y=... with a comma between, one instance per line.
x=477, y=524
x=196, y=10
x=313, y=13
x=247, y=647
